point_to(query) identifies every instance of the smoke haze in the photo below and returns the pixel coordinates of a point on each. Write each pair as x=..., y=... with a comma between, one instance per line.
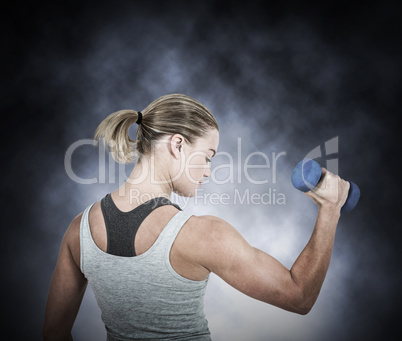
x=280, y=78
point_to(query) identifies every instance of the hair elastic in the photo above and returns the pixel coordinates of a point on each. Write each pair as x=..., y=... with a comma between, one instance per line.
x=139, y=119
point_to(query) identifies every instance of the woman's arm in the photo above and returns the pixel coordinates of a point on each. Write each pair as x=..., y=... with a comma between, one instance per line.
x=67, y=287
x=224, y=251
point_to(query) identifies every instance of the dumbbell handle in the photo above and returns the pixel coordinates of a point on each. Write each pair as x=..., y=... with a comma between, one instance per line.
x=307, y=175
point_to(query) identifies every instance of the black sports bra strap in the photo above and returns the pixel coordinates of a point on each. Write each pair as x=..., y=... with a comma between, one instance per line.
x=121, y=227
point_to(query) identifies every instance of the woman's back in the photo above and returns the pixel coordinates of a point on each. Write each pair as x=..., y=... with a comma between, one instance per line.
x=141, y=296
x=148, y=232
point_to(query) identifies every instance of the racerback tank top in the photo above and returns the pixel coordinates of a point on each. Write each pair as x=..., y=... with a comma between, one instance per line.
x=121, y=227
x=143, y=297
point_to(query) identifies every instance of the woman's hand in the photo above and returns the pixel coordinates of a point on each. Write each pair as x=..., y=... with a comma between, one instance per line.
x=331, y=191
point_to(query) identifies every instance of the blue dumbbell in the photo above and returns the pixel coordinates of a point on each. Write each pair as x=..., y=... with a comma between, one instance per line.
x=306, y=176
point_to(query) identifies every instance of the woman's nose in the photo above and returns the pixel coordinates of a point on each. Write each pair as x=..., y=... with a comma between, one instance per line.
x=207, y=172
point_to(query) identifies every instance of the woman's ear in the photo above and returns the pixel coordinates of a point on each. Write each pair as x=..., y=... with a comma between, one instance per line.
x=176, y=145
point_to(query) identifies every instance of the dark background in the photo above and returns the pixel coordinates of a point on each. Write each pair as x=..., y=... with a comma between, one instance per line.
x=283, y=76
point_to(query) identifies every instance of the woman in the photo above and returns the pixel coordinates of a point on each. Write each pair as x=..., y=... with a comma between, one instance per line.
x=148, y=261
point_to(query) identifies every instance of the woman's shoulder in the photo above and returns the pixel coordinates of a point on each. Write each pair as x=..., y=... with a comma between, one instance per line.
x=209, y=222
x=210, y=228
x=208, y=239
x=73, y=229
x=72, y=237
x=75, y=224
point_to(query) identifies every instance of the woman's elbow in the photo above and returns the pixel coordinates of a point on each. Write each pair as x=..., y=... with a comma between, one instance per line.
x=300, y=304
x=303, y=310
x=300, y=309
x=293, y=303
x=304, y=305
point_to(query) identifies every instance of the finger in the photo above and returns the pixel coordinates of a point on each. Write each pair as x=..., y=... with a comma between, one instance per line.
x=308, y=193
x=325, y=174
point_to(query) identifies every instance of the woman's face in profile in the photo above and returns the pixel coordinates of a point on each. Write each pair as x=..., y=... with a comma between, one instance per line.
x=197, y=163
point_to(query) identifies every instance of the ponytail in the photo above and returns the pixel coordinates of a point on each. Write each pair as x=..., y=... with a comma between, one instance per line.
x=167, y=115
x=114, y=130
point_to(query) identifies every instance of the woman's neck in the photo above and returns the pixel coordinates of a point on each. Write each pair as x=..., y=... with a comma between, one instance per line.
x=146, y=181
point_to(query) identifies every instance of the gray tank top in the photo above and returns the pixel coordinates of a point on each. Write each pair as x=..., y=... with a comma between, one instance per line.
x=143, y=297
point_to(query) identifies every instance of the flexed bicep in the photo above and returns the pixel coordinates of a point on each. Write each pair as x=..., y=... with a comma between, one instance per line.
x=248, y=269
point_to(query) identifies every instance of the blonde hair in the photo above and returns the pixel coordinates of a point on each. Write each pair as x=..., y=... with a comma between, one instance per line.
x=167, y=115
